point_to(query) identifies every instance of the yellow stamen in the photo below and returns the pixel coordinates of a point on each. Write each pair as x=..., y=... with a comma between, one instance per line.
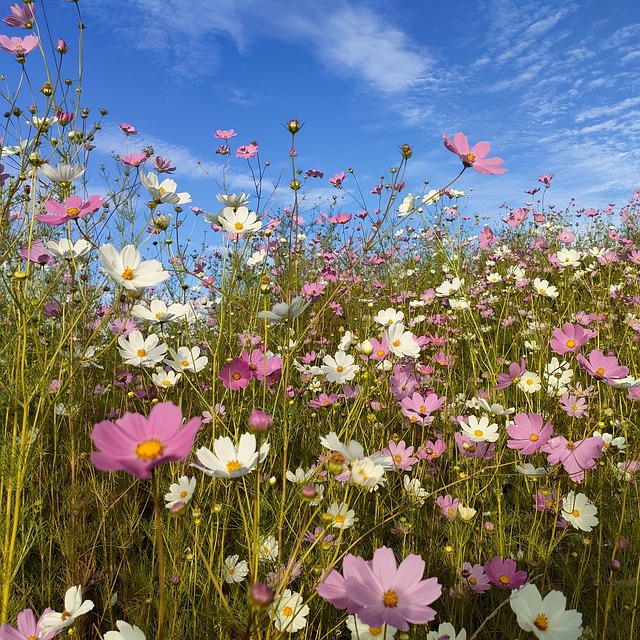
x=149, y=449
x=72, y=212
x=127, y=274
x=541, y=622
x=390, y=598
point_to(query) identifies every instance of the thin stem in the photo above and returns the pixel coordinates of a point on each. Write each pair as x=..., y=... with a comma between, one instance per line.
x=160, y=555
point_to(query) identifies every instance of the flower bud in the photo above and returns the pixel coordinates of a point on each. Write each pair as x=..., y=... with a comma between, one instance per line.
x=260, y=595
x=260, y=421
x=366, y=347
x=406, y=151
x=293, y=126
x=309, y=492
x=62, y=47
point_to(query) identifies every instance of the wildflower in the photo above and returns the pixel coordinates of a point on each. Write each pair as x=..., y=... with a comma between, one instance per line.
x=185, y=359
x=288, y=612
x=367, y=473
x=573, y=405
x=448, y=506
x=67, y=250
x=247, y=151
x=339, y=368
x=22, y=16
x=158, y=311
x=236, y=570
x=137, y=445
x=225, y=461
x=528, y=433
x=579, y=511
x=361, y=631
x=475, y=580
x=529, y=382
x=74, y=607
x=165, y=191
x=125, y=632
x=338, y=179
x=165, y=379
x=283, y=311
x=626, y=470
x=576, y=456
x=267, y=549
x=547, y=619
x=235, y=374
x=601, y=366
x=449, y=287
x=466, y=513
x=180, y=492
x=568, y=257
x=504, y=574
x=73, y=208
x=127, y=268
x=389, y=317
x=475, y=157
x=413, y=487
x=480, y=430
x=545, y=289
x=139, y=351
x=515, y=371
x=446, y=631
x=162, y=165
x=27, y=627
x=239, y=221
x=127, y=129
x=340, y=516
x=63, y=173
x=19, y=46
x=402, y=343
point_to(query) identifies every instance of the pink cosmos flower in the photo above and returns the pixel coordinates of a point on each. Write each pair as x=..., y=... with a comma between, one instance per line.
x=602, y=367
x=19, y=46
x=235, y=375
x=475, y=157
x=71, y=209
x=431, y=450
x=474, y=579
x=546, y=179
x=137, y=445
x=324, y=400
x=516, y=217
x=128, y=129
x=570, y=338
x=338, y=179
x=225, y=134
x=575, y=457
x=418, y=408
x=135, y=159
x=504, y=573
x=486, y=237
x=247, y=151
x=162, y=165
x=566, y=236
x=341, y=218
x=381, y=592
x=36, y=252
x=574, y=406
x=314, y=173
x=22, y=16
x=448, y=506
x=27, y=627
x=515, y=371
x=401, y=455
x=528, y=433
x=470, y=449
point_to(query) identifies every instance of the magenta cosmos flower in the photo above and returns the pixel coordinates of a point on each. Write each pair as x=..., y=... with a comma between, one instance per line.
x=381, y=592
x=137, y=444
x=528, y=433
x=475, y=157
x=570, y=338
x=602, y=367
x=576, y=456
x=504, y=573
x=71, y=209
x=235, y=374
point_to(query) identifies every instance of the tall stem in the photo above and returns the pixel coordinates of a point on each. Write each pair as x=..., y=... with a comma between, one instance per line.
x=160, y=555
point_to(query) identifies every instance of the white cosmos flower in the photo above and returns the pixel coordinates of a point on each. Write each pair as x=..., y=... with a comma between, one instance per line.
x=239, y=221
x=547, y=619
x=158, y=311
x=165, y=379
x=127, y=268
x=267, y=549
x=361, y=631
x=125, y=632
x=340, y=516
x=288, y=612
x=579, y=511
x=180, y=492
x=67, y=250
x=367, y=473
x=480, y=430
x=568, y=257
x=401, y=342
x=449, y=287
x=545, y=289
x=282, y=310
x=164, y=191
x=529, y=382
x=232, y=200
x=62, y=173
x=236, y=570
x=139, y=351
x=389, y=317
x=459, y=304
x=339, y=368
x=495, y=408
x=257, y=258
x=74, y=607
x=446, y=631
x=185, y=359
x=225, y=461
x=413, y=487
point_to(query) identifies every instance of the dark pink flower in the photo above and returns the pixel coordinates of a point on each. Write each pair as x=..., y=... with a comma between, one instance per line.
x=235, y=375
x=314, y=173
x=338, y=179
x=162, y=165
x=71, y=209
x=128, y=129
x=247, y=151
x=515, y=371
x=431, y=450
x=602, y=367
x=528, y=433
x=22, y=16
x=137, y=445
x=475, y=157
x=570, y=338
x=504, y=573
x=546, y=179
x=576, y=456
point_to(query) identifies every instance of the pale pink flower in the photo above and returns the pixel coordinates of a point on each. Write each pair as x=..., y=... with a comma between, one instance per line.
x=474, y=157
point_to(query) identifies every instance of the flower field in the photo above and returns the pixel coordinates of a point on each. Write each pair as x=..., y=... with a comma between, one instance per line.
x=347, y=412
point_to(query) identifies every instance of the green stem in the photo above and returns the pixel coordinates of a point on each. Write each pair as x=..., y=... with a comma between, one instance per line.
x=160, y=554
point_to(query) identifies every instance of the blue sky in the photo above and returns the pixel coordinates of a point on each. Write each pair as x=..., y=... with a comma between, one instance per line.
x=552, y=85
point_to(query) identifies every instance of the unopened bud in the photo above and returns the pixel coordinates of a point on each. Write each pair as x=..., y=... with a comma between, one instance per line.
x=62, y=47
x=260, y=421
x=406, y=151
x=293, y=126
x=260, y=595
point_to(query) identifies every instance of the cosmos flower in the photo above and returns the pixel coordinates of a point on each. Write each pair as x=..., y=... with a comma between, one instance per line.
x=180, y=492
x=71, y=209
x=127, y=268
x=74, y=607
x=475, y=157
x=125, y=632
x=528, y=433
x=225, y=461
x=164, y=191
x=504, y=573
x=239, y=221
x=137, y=444
x=19, y=46
x=579, y=511
x=62, y=173
x=288, y=612
x=27, y=627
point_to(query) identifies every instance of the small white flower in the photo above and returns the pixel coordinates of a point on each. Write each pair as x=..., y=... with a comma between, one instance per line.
x=282, y=310
x=185, y=359
x=239, y=221
x=180, y=492
x=67, y=250
x=529, y=382
x=125, y=632
x=545, y=289
x=446, y=631
x=139, y=351
x=257, y=258
x=74, y=607
x=225, y=461
x=402, y=343
x=466, y=513
x=288, y=612
x=236, y=570
x=127, y=268
x=164, y=191
x=413, y=487
x=159, y=312
x=267, y=549
x=341, y=516
x=367, y=473
x=361, y=631
x=480, y=430
x=339, y=368
x=579, y=511
x=165, y=379
x=449, y=287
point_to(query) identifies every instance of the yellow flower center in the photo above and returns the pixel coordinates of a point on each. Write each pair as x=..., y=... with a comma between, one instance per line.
x=375, y=631
x=473, y=581
x=478, y=433
x=398, y=458
x=600, y=371
x=571, y=343
x=185, y=363
x=127, y=274
x=232, y=466
x=141, y=353
x=72, y=212
x=183, y=494
x=149, y=449
x=471, y=157
x=166, y=383
x=396, y=343
x=390, y=598
x=380, y=353
x=64, y=615
x=339, y=368
x=575, y=513
x=239, y=226
x=534, y=437
x=504, y=579
x=339, y=519
x=287, y=611
x=236, y=376
x=541, y=622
